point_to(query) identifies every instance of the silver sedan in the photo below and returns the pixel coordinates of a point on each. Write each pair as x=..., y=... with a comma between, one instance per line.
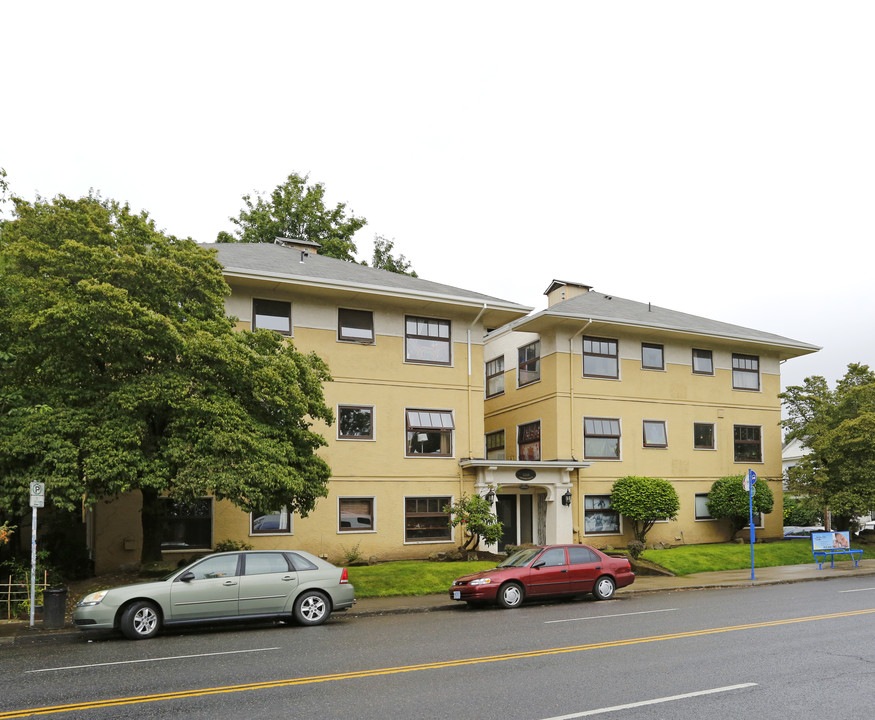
x=233, y=586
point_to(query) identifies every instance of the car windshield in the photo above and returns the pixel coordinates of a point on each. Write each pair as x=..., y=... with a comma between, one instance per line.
x=520, y=558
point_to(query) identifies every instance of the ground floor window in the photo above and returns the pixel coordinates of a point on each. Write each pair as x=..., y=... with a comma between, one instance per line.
x=598, y=517
x=355, y=514
x=702, y=511
x=278, y=522
x=425, y=519
x=187, y=524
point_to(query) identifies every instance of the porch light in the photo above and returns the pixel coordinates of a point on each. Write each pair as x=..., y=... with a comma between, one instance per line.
x=490, y=496
x=566, y=498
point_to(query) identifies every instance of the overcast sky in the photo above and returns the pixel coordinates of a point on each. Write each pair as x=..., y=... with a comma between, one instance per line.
x=716, y=158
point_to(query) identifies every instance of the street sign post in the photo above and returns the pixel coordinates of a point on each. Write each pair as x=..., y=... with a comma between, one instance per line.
x=749, y=482
x=37, y=500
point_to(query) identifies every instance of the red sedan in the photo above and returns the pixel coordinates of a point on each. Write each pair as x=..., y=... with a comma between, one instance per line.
x=546, y=572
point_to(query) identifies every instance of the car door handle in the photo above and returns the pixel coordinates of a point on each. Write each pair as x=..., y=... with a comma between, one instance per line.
x=288, y=577
x=563, y=571
x=229, y=583
x=598, y=567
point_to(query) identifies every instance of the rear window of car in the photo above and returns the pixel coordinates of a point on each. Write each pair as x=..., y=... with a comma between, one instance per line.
x=581, y=556
x=301, y=563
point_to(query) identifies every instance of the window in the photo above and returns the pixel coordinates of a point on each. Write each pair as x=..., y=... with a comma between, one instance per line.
x=355, y=514
x=702, y=511
x=425, y=519
x=278, y=522
x=655, y=434
x=598, y=517
x=430, y=432
x=600, y=357
x=529, y=441
x=495, y=377
x=703, y=362
x=579, y=555
x=601, y=438
x=652, y=357
x=266, y=563
x=187, y=524
x=703, y=436
x=495, y=445
x=745, y=372
x=748, y=443
x=355, y=326
x=218, y=566
x=427, y=340
x=554, y=557
x=355, y=422
x=529, y=369
x=273, y=315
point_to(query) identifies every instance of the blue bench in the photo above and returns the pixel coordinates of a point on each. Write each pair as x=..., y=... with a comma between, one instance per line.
x=832, y=544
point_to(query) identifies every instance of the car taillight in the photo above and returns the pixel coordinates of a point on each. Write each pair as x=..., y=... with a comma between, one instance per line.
x=344, y=577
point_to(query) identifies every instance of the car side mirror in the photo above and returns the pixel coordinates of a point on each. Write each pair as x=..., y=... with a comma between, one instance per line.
x=538, y=565
x=186, y=577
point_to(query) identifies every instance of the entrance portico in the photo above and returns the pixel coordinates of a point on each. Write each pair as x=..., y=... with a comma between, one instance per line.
x=532, y=499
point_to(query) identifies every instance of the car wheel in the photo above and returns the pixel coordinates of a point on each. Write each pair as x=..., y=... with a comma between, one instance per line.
x=604, y=588
x=140, y=621
x=510, y=595
x=312, y=608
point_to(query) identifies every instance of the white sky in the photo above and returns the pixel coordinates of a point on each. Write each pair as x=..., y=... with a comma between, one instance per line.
x=716, y=158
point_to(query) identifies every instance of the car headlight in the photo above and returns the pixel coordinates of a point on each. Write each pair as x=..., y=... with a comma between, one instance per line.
x=481, y=581
x=92, y=599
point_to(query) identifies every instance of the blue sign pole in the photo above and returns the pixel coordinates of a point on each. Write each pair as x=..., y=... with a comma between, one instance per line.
x=751, y=481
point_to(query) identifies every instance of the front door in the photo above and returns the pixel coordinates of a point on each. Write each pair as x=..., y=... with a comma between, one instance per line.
x=505, y=510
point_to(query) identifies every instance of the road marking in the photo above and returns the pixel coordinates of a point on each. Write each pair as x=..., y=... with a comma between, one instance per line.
x=857, y=590
x=148, y=660
x=602, y=617
x=656, y=701
x=462, y=662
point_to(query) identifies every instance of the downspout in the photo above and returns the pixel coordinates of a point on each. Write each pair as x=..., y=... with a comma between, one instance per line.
x=470, y=404
x=571, y=412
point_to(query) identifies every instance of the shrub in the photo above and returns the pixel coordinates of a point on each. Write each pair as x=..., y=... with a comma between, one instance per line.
x=644, y=501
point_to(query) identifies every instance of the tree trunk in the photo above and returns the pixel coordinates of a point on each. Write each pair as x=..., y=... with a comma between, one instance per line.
x=152, y=518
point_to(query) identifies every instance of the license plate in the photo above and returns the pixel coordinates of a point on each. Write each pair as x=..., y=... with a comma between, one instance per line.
x=457, y=595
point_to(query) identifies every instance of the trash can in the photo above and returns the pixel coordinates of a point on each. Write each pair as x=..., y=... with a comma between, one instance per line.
x=54, y=608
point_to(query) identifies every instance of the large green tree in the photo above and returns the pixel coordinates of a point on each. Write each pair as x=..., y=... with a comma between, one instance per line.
x=122, y=372
x=728, y=499
x=297, y=210
x=645, y=501
x=838, y=427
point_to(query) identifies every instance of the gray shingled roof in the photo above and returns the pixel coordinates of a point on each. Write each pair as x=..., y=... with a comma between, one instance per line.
x=600, y=307
x=276, y=261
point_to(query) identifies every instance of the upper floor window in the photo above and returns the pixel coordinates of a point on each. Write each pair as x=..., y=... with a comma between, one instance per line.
x=278, y=522
x=600, y=357
x=748, y=443
x=652, y=356
x=495, y=377
x=355, y=326
x=273, y=315
x=495, y=445
x=427, y=340
x=745, y=372
x=355, y=422
x=529, y=369
x=601, y=438
x=703, y=436
x=655, y=434
x=529, y=441
x=703, y=362
x=430, y=432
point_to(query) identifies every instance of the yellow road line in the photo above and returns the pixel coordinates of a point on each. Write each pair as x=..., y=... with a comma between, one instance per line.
x=139, y=699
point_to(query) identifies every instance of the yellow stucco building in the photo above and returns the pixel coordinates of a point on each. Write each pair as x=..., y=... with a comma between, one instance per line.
x=439, y=391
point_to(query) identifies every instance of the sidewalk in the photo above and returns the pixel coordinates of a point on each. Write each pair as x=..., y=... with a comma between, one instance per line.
x=19, y=632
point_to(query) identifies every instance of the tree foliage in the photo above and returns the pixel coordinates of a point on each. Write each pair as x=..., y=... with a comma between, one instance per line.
x=297, y=211
x=475, y=514
x=728, y=499
x=838, y=427
x=384, y=260
x=644, y=501
x=122, y=372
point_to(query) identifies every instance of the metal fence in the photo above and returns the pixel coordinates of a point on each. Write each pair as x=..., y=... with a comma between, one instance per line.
x=15, y=596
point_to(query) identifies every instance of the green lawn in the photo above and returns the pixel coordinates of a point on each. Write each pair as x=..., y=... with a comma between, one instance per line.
x=688, y=559
x=421, y=577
